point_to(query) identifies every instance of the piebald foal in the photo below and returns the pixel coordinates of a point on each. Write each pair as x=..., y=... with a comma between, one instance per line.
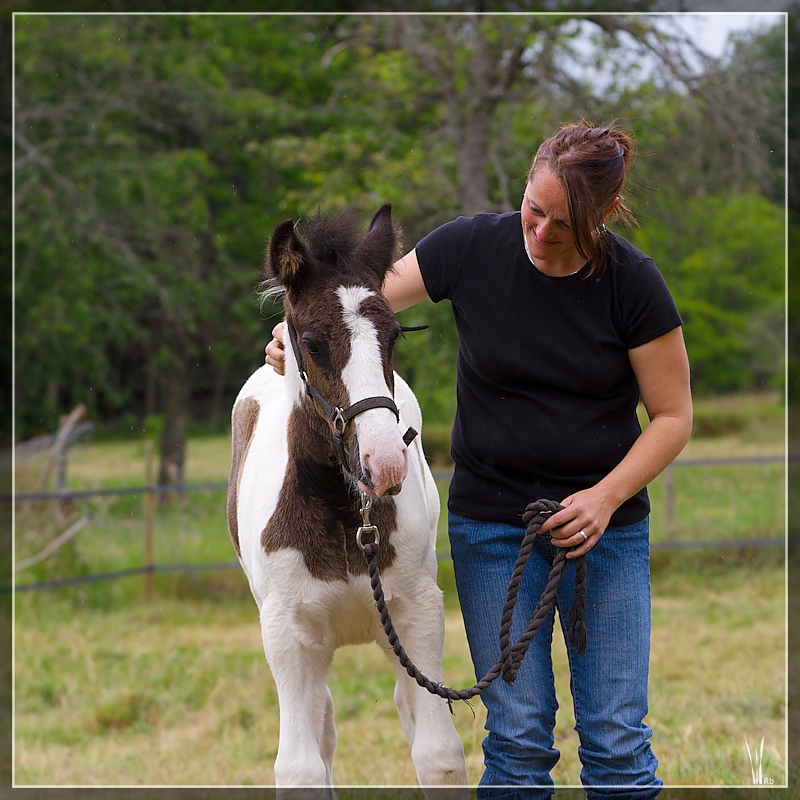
x=293, y=508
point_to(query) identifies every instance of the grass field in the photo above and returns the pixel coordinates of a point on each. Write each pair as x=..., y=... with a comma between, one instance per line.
x=110, y=690
x=178, y=692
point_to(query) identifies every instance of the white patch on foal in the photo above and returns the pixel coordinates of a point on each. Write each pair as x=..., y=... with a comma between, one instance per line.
x=383, y=452
x=351, y=298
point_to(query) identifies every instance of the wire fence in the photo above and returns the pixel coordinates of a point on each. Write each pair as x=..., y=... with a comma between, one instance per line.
x=150, y=568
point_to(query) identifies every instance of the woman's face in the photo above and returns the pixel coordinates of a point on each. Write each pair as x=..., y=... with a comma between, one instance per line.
x=545, y=218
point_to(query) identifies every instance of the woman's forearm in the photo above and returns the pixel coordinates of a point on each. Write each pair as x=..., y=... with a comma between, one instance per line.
x=655, y=449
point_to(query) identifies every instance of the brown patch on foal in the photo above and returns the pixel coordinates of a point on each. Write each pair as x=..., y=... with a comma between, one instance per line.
x=317, y=513
x=245, y=417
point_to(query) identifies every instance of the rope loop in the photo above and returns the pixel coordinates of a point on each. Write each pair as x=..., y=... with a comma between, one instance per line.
x=511, y=654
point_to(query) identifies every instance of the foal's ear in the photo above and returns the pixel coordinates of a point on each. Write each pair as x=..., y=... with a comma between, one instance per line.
x=285, y=256
x=380, y=247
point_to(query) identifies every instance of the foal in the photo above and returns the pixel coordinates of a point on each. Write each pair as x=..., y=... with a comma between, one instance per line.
x=297, y=475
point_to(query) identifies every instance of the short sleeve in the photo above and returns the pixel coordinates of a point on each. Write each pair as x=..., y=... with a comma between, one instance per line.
x=647, y=307
x=441, y=256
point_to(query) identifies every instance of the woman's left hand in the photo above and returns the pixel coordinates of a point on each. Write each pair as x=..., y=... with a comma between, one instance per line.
x=581, y=522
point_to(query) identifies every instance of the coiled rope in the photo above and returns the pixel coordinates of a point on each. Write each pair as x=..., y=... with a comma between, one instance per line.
x=511, y=654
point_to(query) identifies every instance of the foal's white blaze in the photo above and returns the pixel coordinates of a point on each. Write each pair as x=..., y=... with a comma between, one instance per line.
x=383, y=452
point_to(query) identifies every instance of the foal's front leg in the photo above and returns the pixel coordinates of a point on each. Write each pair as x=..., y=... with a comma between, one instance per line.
x=307, y=737
x=436, y=748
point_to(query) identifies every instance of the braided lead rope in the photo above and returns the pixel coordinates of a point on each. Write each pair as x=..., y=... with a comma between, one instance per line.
x=511, y=655
x=576, y=630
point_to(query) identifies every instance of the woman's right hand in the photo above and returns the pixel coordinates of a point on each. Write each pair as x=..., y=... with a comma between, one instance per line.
x=275, y=356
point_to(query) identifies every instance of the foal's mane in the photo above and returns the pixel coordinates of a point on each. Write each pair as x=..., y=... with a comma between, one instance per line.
x=332, y=237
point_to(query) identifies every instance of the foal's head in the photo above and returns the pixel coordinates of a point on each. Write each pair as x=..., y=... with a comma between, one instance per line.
x=332, y=276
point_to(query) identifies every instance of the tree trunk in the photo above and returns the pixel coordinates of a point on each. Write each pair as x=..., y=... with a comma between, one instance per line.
x=472, y=102
x=150, y=391
x=220, y=374
x=473, y=163
x=176, y=426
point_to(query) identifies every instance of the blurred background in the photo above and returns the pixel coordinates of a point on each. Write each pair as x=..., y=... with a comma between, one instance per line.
x=153, y=156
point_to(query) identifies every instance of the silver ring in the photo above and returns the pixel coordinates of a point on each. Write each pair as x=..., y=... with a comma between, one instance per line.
x=585, y=537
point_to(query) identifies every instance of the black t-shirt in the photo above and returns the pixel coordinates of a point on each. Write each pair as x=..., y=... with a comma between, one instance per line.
x=546, y=396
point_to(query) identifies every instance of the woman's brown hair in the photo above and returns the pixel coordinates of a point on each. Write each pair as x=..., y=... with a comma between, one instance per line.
x=591, y=163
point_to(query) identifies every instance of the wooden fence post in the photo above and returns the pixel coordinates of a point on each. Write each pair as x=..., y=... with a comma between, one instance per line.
x=63, y=508
x=149, y=504
x=56, y=455
x=64, y=430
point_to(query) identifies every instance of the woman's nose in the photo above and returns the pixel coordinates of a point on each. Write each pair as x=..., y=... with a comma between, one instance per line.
x=544, y=230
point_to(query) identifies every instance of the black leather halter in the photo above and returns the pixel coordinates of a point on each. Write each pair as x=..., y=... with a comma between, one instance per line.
x=339, y=417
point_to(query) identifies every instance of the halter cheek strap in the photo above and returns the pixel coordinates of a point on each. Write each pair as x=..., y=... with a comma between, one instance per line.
x=339, y=417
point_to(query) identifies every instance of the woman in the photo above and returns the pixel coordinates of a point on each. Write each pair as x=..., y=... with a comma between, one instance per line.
x=563, y=326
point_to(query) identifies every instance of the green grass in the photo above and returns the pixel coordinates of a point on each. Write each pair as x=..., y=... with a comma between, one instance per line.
x=178, y=691
x=737, y=501
x=111, y=690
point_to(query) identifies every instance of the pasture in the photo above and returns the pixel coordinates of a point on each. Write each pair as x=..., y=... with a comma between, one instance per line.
x=110, y=690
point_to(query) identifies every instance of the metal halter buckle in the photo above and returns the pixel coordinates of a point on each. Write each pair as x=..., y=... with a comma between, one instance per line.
x=338, y=421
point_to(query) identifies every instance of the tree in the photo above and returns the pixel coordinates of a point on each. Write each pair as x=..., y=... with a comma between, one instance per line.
x=491, y=76
x=724, y=260
x=6, y=332
x=794, y=204
x=144, y=191
x=156, y=154
x=502, y=84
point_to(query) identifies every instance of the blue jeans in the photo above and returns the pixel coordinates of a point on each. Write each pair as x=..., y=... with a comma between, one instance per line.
x=608, y=683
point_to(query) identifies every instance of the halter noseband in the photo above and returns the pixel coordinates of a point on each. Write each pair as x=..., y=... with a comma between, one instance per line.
x=339, y=417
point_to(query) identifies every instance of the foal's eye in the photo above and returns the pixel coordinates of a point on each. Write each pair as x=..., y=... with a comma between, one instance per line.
x=311, y=347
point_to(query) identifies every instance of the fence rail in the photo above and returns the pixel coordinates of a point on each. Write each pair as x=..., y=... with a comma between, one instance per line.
x=69, y=494
x=149, y=569
x=438, y=474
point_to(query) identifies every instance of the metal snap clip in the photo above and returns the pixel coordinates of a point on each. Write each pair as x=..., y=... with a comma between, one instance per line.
x=367, y=529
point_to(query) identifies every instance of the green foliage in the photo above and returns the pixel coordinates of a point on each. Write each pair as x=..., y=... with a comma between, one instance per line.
x=427, y=361
x=150, y=216
x=793, y=306
x=723, y=258
x=155, y=154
